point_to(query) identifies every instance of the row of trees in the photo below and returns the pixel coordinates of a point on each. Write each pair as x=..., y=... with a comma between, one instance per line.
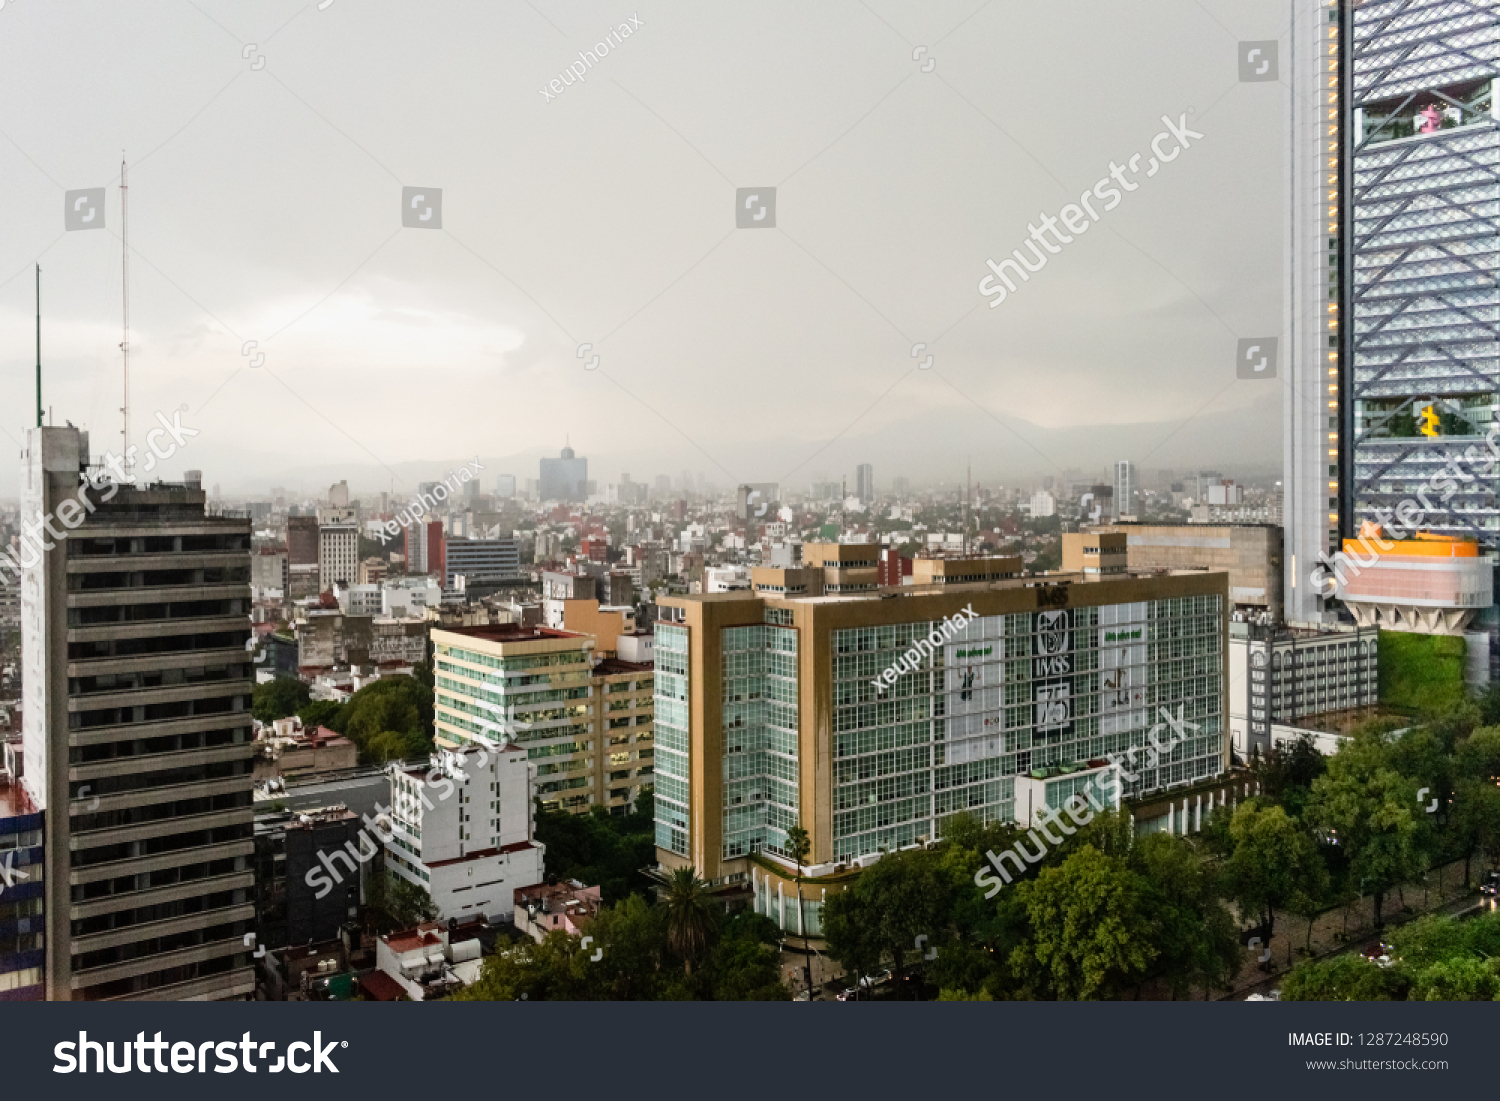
x=1102, y=916
x=1373, y=818
x=1435, y=958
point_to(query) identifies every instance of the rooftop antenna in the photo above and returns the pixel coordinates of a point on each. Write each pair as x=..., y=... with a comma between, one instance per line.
x=968, y=477
x=125, y=296
x=39, y=345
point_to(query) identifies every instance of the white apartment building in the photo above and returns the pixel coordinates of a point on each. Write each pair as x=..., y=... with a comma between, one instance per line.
x=338, y=547
x=360, y=599
x=726, y=579
x=463, y=830
x=409, y=597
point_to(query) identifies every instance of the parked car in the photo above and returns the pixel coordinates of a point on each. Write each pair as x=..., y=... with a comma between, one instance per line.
x=1490, y=887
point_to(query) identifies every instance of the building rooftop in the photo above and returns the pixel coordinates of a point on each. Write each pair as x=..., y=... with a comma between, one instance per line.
x=610, y=667
x=483, y=854
x=511, y=632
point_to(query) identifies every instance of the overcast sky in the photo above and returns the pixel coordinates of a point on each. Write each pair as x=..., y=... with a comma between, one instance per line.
x=265, y=205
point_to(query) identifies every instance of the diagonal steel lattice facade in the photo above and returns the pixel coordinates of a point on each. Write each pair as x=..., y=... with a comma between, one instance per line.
x=1421, y=347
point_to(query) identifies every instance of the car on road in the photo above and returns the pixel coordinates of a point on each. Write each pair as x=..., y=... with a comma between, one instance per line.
x=865, y=983
x=1490, y=886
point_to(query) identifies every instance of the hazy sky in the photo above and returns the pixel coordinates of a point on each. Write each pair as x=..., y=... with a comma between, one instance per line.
x=265, y=205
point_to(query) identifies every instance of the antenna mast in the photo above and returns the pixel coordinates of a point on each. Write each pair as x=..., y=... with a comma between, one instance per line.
x=125, y=296
x=39, y=345
x=968, y=479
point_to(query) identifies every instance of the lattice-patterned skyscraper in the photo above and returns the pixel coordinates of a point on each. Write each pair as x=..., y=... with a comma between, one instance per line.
x=1395, y=218
x=1422, y=355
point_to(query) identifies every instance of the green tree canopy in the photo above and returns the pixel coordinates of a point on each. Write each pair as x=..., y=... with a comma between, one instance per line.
x=1273, y=861
x=278, y=698
x=1372, y=812
x=1091, y=935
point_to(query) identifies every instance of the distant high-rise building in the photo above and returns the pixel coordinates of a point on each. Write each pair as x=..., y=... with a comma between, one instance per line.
x=757, y=501
x=864, y=478
x=565, y=478
x=1125, y=488
x=425, y=550
x=137, y=734
x=302, y=541
x=338, y=548
x=505, y=485
x=480, y=560
x=338, y=495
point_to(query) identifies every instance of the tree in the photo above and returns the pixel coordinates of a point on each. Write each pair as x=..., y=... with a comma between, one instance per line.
x=389, y=720
x=799, y=845
x=1344, y=978
x=692, y=915
x=1371, y=810
x=630, y=940
x=599, y=848
x=1273, y=862
x=1195, y=933
x=1285, y=773
x=743, y=964
x=278, y=698
x=849, y=933
x=325, y=713
x=1090, y=936
x=1474, y=822
x=392, y=903
x=1462, y=979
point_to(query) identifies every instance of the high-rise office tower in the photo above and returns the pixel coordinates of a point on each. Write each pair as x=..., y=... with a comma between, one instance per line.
x=565, y=478
x=302, y=552
x=137, y=732
x=1313, y=439
x=426, y=549
x=338, y=547
x=1125, y=488
x=1393, y=365
x=1422, y=355
x=864, y=480
x=781, y=708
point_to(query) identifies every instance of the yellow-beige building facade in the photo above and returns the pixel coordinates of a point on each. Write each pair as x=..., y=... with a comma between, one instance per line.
x=871, y=718
x=586, y=724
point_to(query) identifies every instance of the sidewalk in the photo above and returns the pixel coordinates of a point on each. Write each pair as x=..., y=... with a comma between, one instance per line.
x=1328, y=933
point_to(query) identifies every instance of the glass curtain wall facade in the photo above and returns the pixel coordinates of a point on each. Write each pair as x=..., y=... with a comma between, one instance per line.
x=760, y=738
x=536, y=699
x=1011, y=695
x=672, y=739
